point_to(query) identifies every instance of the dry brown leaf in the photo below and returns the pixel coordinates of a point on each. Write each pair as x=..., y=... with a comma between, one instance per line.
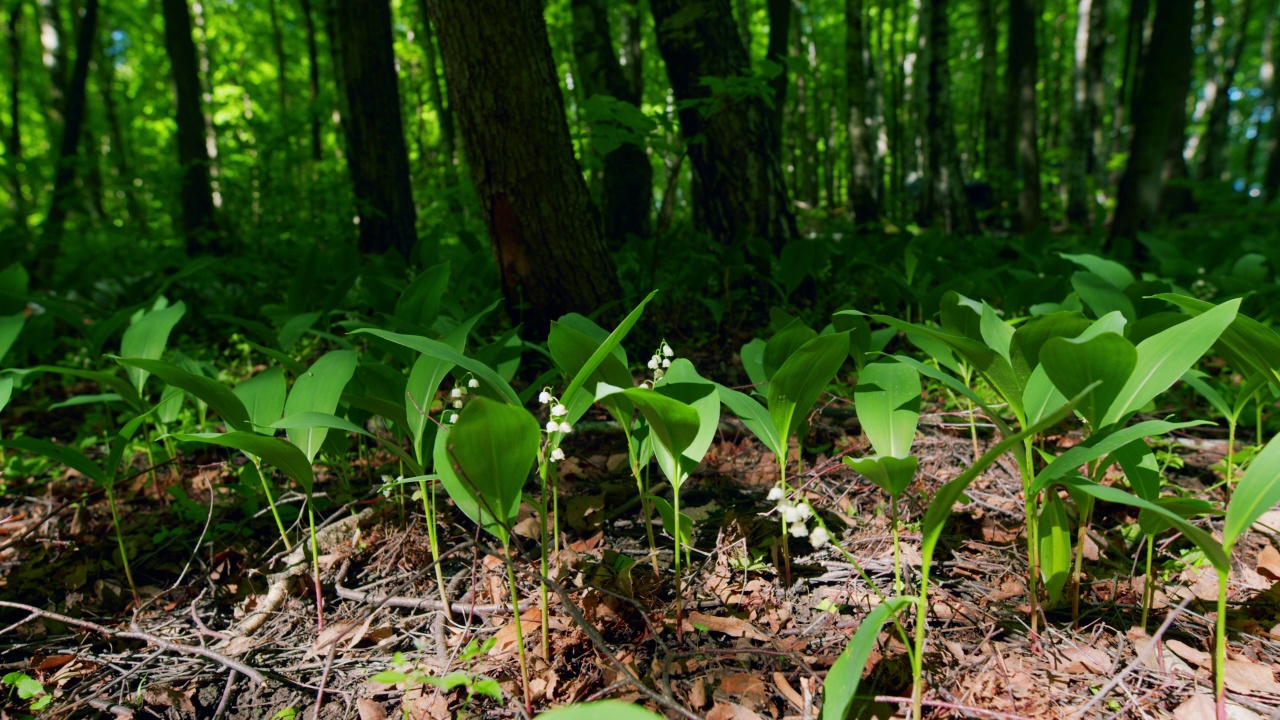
x=731, y=711
x=1084, y=660
x=505, y=639
x=370, y=709
x=1241, y=676
x=1201, y=707
x=784, y=687
x=160, y=695
x=1269, y=563
x=746, y=687
x=733, y=627
x=698, y=693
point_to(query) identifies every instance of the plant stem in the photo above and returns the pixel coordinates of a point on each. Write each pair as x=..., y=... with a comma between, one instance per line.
x=429, y=507
x=124, y=554
x=315, y=564
x=257, y=465
x=1220, y=644
x=1148, y=587
x=786, y=549
x=546, y=637
x=644, y=501
x=515, y=604
x=675, y=495
x=897, y=554
x=1231, y=456
x=1086, y=517
x=917, y=657
x=1033, y=536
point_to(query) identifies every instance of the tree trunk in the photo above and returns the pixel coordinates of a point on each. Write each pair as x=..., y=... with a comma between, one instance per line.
x=435, y=94
x=988, y=33
x=864, y=199
x=282, y=65
x=13, y=137
x=546, y=234
x=54, y=45
x=628, y=177
x=1211, y=152
x=1022, y=156
x=199, y=226
x=1096, y=89
x=743, y=14
x=779, y=37
x=944, y=201
x=632, y=59
x=64, y=179
x=313, y=79
x=1160, y=98
x=1130, y=71
x=1271, y=177
x=136, y=213
x=1085, y=108
x=744, y=192
x=807, y=112
x=377, y=157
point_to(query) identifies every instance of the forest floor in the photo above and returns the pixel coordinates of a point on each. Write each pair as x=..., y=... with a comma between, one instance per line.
x=234, y=632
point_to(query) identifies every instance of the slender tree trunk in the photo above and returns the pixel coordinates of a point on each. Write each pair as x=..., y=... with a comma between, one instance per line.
x=120, y=150
x=1022, y=156
x=744, y=191
x=73, y=115
x=199, y=226
x=807, y=112
x=1266, y=74
x=1165, y=81
x=1086, y=109
x=377, y=157
x=313, y=79
x=546, y=234
x=435, y=94
x=1134, y=43
x=743, y=15
x=1211, y=152
x=989, y=91
x=282, y=65
x=1271, y=177
x=628, y=177
x=13, y=136
x=1096, y=90
x=944, y=201
x=632, y=57
x=779, y=35
x=864, y=200
x=52, y=39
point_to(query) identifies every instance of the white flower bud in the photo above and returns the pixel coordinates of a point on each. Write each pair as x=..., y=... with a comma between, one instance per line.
x=566, y=428
x=804, y=511
x=559, y=410
x=455, y=393
x=457, y=404
x=792, y=514
x=798, y=530
x=553, y=426
x=453, y=417
x=544, y=397
x=666, y=350
x=819, y=537
x=473, y=383
x=666, y=363
x=653, y=363
x=557, y=455
x=775, y=494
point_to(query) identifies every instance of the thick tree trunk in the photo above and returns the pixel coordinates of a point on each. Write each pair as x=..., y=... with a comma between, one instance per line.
x=744, y=192
x=313, y=79
x=627, y=194
x=779, y=36
x=64, y=179
x=376, y=153
x=989, y=91
x=546, y=233
x=13, y=135
x=199, y=227
x=862, y=125
x=1085, y=110
x=1022, y=151
x=435, y=94
x=1211, y=151
x=1159, y=100
x=944, y=201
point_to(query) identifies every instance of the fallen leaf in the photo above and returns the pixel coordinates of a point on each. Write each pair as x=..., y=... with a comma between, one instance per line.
x=1084, y=660
x=1202, y=707
x=747, y=687
x=733, y=627
x=1241, y=676
x=731, y=711
x=505, y=639
x=698, y=693
x=784, y=687
x=1160, y=659
x=370, y=709
x=159, y=694
x=1269, y=563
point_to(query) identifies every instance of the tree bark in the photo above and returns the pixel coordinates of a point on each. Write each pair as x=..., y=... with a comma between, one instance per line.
x=627, y=194
x=861, y=124
x=744, y=191
x=377, y=156
x=779, y=34
x=989, y=91
x=64, y=179
x=546, y=234
x=1271, y=177
x=1211, y=152
x=313, y=79
x=136, y=213
x=54, y=45
x=199, y=225
x=1165, y=81
x=944, y=200
x=1085, y=108
x=1130, y=71
x=435, y=94
x=1022, y=151
x=13, y=135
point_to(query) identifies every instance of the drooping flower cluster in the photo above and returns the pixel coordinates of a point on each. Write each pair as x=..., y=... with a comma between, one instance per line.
x=456, y=396
x=557, y=422
x=661, y=360
x=797, y=515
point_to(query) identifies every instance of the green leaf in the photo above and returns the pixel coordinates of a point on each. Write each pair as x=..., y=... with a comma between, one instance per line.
x=66, y=456
x=960, y=315
x=121, y=386
x=1101, y=296
x=996, y=333
x=312, y=419
x=1040, y=397
x=274, y=451
x=424, y=381
x=611, y=709
x=223, y=401
x=319, y=390
x=487, y=455
x=263, y=397
x=754, y=416
x=682, y=532
x=419, y=304
x=294, y=328
x=752, y=355
x=294, y=367
x=1108, y=359
x=1196, y=380
x=1140, y=468
x=10, y=327
x=955, y=384
x=891, y=474
x=674, y=424
x=147, y=337
x=1254, y=344
x=1055, y=546
x=1153, y=524
x=887, y=401
x=1116, y=275
x=606, y=349
x=1100, y=445
x=841, y=685
x=1257, y=492
x=1165, y=356
x=572, y=341
x=784, y=344
x=488, y=378
x=1024, y=350
x=795, y=387
x=6, y=391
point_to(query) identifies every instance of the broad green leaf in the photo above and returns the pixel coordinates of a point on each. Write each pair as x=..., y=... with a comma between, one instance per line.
x=1024, y=350
x=891, y=474
x=752, y=355
x=1107, y=359
x=859, y=330
x=674, y=424
x=572, y=341
x=1102, y=444
x=887, y=401
x=121, y=386
x=1197, y=381
x=784, y=344
x=273, y=451
x=419, y=304
x=10, y=326
x=1055, y=546
x=1165, y=356
x=1153, y=524
x=1257, y=492
x=122, y=438
x=1255, y=344
x=795, y=387
x=6, y=391
x=996, y=333
x=66, y=456
x=683, y=383
x=293, y=366
x=312, y=419
x=424, y=381
x=294, y=328
x=955, y=384
x=1101, y=296
x=1140, y=467
x=1040, y=396
x=683, y=532
x=263, y=397
x=611, y=709
x=488, y=454
x=841, y=685
x=1117, y=275
x=754, y=416
x=223, y=401
x=959, y=315
x=319, y=389
x=79, y=400
x=489, y=380
x=606, y=349
x=379, y=389
x=147, y=338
